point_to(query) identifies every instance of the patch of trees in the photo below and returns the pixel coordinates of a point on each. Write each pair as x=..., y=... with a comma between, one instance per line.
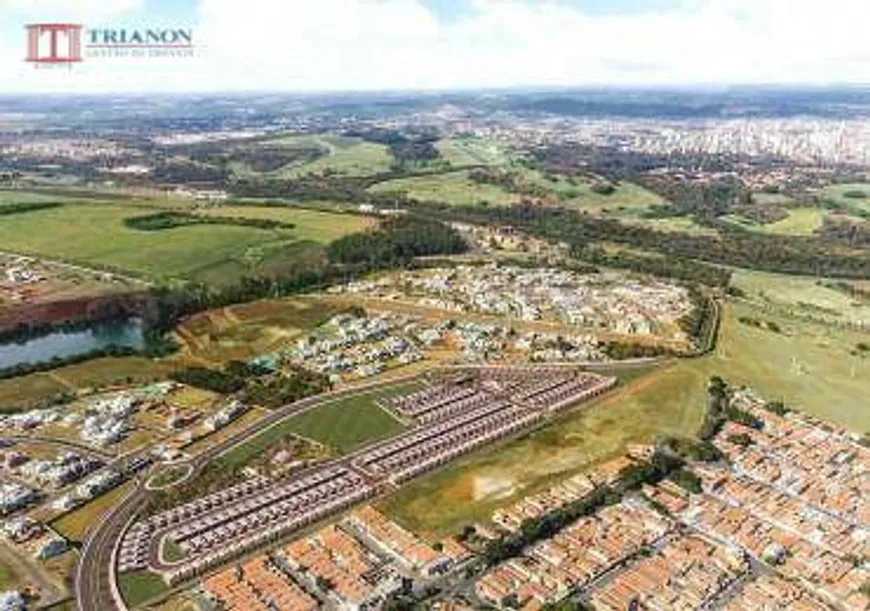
x=187, y=173
x=283, y=388
x=760, y=324
x=260, y=158
x=720, y=410
x=855, y=194
x=687, y=480
x=160, y=221
x=703, y=200
x=20, y=207
x=784, y=254
x=396, y=242
x=663, y=266
x=846, y=231
x=406, y=149
x=620, y=351
x=255, y=384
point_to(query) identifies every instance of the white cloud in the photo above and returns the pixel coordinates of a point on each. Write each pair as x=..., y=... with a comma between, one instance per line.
x=399, y=44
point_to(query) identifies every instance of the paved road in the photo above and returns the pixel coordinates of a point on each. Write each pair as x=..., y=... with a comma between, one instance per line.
x=95, y=578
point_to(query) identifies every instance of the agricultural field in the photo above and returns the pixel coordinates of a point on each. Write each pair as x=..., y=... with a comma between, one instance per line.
x=811, y=367
x=454, y=188
x=95, y=234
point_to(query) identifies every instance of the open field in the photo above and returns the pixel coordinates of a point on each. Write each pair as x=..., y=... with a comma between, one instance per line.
x=825, y=379
x=629, y=199
x=138, y=587
x=8, y=577
x=454, y=188
x=89, y=374
x=676, y=224
x=800, y=222
x=247, y=330
x=811, y=366
x=95, y=234
x=314, y=225
x=665, y=401
x=76, y=524
x=34, y=387
x=804, y=296
x=471, y=151
x=346, y=157
x=836, y=194
x=341, y=424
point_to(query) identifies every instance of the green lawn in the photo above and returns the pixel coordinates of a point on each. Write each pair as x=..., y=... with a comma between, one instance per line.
x=800, y=221
x=836, y=194
x=346, y=157
x=676, y=224
x=806, y=296
x=95, y=234
x=454, y=188
x=138, y=587
x=323, y=227
x=471, y=151
x=76, y=524
x=342, y=425
x=629, y=199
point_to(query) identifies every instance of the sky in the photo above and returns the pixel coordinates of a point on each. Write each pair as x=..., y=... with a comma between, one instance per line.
x=377, y=45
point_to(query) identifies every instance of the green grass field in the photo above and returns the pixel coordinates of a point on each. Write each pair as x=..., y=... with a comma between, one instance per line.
x=471, y=151
x=677, y=224
x=835, y=193
x=76, y=524
x=342, y=425
x=346, y=157
x=138, y=587
x=629, y=199
x=314, y=225
x=800, y=222
x=454, y=188
x=95, y=234
x=805, y=296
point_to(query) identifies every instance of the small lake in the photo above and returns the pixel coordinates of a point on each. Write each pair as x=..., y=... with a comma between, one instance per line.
x=64, y=344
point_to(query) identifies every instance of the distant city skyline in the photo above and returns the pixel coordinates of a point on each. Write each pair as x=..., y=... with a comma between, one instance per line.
x=381, y=45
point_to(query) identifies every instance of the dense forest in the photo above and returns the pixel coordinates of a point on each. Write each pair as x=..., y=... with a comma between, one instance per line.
x=397, y=242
